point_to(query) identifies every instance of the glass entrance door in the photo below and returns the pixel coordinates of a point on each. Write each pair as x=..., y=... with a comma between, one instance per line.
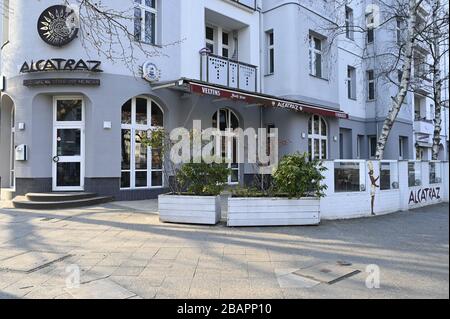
x=224, y=120
x=68, y=145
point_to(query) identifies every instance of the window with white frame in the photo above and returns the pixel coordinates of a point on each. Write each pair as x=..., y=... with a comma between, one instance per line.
x=349, y=23
x=316, y=56
x=226, y=44
x=370, y=85
x=414, y=174
x=347, y=177
x=435, y=173
x=210, y=39
x=351, y=82
x=370, y=28
x=225, y=120
x=6, y=14
x=270, y=52
x=145, y=21
x=388, y=175
x=142, y=166
x=317, y=138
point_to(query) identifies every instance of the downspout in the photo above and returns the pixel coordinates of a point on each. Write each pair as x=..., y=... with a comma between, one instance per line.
x=261, y=67
x=261, y=44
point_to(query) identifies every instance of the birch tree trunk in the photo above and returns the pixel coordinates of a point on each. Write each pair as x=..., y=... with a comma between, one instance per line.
x=404, y=84
x=437, y=79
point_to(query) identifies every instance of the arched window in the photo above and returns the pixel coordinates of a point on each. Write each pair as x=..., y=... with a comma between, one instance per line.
x=12, y=149
x=142, y=167
x=223, y=120
x=317, y=138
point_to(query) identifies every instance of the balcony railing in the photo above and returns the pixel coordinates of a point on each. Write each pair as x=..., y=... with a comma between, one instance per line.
x=423, y=126
x=227, y=72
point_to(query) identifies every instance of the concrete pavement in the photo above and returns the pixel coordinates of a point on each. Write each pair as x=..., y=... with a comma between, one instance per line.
x=118, y=251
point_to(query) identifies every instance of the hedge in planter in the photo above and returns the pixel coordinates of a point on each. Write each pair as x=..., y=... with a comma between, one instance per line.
x=292, y=199
x=200, y=203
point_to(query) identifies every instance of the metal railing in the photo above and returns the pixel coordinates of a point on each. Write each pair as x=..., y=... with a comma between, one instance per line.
x=223, y=71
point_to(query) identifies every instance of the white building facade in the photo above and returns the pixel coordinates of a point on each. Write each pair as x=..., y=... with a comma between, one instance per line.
x=71, y=116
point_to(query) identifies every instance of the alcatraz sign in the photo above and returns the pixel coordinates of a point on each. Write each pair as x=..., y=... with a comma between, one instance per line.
x=424, y=195
x=52, y=65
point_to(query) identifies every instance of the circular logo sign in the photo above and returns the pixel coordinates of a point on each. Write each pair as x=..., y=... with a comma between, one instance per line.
x=150, y=72
x=57, y=25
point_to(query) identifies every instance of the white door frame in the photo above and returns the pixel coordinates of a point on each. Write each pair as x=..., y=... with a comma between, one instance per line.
x=68, y=159
x=229, y=145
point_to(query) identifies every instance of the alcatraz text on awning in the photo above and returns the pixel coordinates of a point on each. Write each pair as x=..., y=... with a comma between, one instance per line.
x=57, y=64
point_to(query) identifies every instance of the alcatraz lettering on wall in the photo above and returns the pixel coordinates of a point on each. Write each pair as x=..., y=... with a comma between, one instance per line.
x=61, y=65
x=424, y=195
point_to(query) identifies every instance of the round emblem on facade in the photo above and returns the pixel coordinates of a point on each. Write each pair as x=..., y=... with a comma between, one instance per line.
x=150, y=72
x=57, y=25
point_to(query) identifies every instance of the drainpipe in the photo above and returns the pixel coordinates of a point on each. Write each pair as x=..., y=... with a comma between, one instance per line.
x=261, y=45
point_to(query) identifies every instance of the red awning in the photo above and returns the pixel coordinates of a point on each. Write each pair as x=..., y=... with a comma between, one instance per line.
x=218, y=91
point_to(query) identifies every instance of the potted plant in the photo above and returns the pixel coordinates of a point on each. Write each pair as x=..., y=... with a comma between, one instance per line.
x=198, y=202
x=194, y=185
x=291, y=198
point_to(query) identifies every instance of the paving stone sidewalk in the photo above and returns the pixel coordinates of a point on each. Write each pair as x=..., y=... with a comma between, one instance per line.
x=123, y=251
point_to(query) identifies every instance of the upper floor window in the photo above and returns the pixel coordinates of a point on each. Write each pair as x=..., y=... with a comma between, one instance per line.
x=315, y=56
x=225, y=44
x=5, y=13
x=210, y=39
x=349, y=23
x=370, y=85
x=370, y=21
x=270, y=52
x=145, y=17
x=398, y=30
x=420, y=66
x=351, y=83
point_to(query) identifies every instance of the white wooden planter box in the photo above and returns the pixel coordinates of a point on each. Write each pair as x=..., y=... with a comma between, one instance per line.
x=204, y=210
x=273, y=212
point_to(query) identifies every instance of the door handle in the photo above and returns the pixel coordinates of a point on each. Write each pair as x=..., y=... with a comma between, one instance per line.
x=56, y=159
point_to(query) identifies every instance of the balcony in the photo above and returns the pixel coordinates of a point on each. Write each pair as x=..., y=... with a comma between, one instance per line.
x=423, y=126
x=227, y=72
x=251, y=4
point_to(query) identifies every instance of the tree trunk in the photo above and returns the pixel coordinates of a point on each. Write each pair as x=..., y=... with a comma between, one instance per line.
x=437, y=82
x=404, y=84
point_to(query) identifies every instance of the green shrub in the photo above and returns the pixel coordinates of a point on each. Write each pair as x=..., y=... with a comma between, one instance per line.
x=203, y=179
x=298, y=177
